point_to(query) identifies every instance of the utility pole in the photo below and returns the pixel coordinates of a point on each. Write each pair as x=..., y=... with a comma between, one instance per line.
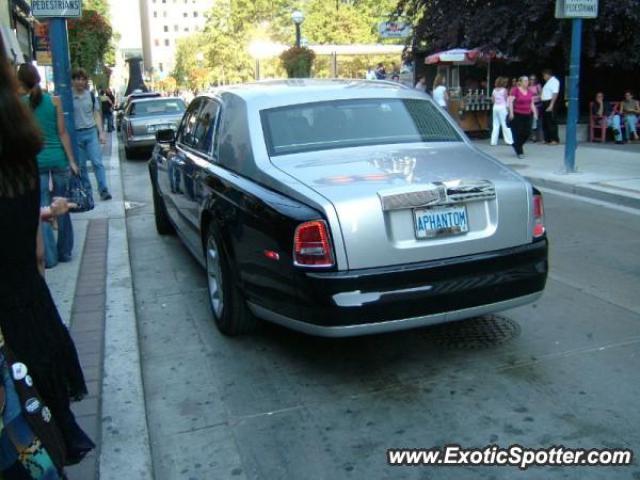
x=576, y=10
x=57, y=13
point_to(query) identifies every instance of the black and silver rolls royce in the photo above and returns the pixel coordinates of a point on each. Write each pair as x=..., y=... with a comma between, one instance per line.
x=344, y=208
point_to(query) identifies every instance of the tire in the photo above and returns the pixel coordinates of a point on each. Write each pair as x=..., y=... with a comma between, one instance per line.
x=163, y=224
x=228, y=307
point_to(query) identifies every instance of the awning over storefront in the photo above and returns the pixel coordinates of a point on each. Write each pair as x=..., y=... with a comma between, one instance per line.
x=465, y=56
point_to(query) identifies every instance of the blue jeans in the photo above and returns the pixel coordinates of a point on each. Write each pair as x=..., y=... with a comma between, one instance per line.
x=630, y=122
x=90, y=149
x=60, y=250
x=614, y=122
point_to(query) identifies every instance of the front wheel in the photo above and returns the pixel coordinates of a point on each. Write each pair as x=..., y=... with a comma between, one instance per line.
x=229, y=309
x=163, y=224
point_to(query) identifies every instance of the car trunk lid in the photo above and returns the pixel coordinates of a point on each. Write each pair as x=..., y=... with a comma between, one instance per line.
x=391, y=199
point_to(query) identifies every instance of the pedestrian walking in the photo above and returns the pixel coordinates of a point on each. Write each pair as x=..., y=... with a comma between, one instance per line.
x=30, y=322
x=55, y=161
x=371, y=74
x=522, y=111
x=89, y=131
x=440, y=91
x=536, y=90
x=549, y=96
x=421, y=84
x=381, y=72
x=500, y=97
x=106, y=105
x=630, y=108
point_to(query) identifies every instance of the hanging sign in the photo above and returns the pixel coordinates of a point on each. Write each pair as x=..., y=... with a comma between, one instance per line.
x=56, y=8
x=576, y=9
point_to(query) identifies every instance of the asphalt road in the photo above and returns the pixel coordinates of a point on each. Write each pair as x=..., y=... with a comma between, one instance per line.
x=281, y=405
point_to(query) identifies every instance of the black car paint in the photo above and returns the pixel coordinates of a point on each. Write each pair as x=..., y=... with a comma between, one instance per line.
x=250, y=219
x=456, y=283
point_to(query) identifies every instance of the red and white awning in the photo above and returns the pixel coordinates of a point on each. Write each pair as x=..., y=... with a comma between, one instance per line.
x=464, y=56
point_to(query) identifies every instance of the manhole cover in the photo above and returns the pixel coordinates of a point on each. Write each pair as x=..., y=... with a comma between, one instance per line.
x=474, y=333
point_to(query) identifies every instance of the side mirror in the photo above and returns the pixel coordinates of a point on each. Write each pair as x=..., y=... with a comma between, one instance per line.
x=167, y=135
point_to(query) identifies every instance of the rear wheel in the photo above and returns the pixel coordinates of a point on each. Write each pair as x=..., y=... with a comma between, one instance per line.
x=163, y=224
x=229, y=309
x=128, y=153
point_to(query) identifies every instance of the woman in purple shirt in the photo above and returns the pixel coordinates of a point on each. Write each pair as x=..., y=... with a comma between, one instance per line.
x=521, y=112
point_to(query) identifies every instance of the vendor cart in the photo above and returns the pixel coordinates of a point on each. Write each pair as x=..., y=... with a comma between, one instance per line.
x=468, y=76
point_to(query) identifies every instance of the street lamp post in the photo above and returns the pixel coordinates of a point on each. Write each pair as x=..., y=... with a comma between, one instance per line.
x=298, y=18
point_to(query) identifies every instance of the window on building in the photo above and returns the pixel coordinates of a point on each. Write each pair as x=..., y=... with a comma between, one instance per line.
x=164, y=1
x=166, y=42
x=185, y=14
x=195, y=14
x=155, y=14
x=176, y=28
x=164, y=14
x=166, y=28
x=186, y=29
x=156, y=42
x=161, y=67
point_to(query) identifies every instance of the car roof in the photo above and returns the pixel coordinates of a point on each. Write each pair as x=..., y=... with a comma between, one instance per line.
x=275, y=93
x=154, y=99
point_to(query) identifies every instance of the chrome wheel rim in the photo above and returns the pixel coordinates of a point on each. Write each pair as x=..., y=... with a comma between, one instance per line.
x=214, y=277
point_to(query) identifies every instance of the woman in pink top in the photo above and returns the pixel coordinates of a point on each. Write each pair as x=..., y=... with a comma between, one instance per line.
x=521, y=112
x=499, y=97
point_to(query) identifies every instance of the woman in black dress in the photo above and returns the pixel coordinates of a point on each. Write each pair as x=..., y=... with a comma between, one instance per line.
x=28, y=317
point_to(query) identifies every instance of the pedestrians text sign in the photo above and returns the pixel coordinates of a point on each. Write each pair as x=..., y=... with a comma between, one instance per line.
x=576, y=8
x=56, y=8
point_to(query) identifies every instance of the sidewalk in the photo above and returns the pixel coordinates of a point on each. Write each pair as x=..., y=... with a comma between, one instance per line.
x=607, y=171
x=94, y=294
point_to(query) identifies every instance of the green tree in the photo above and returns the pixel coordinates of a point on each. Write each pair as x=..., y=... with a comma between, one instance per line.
x=90, y=42
x=233, y=25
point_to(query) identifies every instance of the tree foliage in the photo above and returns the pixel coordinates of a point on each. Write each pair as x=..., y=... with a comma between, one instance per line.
x=297, y=61
x=527, y=29
x=90, y=39
x=232, y=25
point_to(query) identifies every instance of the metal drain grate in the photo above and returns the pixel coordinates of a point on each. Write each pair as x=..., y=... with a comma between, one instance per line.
x=474, y=333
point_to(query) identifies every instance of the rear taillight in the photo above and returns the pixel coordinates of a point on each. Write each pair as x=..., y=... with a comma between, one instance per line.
x=312, y=245
x=538, y=216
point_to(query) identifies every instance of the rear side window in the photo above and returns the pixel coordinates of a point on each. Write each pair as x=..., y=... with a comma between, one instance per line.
x=186, y=135
x=352, y=123
x=205, y=126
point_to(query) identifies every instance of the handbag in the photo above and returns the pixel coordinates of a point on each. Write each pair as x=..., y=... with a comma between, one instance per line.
x=31, y=446
x=80, y=194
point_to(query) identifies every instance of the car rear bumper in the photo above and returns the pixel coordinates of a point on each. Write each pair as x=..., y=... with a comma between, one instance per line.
x=146, y=141
x=393, y=298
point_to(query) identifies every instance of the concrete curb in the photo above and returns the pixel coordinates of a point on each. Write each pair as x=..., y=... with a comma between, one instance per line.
x=589, y=192
x=125, y=449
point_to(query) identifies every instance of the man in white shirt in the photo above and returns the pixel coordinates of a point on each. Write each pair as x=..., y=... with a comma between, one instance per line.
x=549, y=97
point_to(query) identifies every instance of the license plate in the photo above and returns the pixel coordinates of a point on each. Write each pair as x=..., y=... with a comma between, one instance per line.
x=155, y=128
x=437, y=222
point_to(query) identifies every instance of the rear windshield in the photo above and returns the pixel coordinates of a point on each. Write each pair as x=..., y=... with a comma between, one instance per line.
x=156, y=107
x=351, y=123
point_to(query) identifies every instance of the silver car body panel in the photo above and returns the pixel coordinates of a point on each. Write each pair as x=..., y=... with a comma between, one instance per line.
x=390, y=325
x=144, y=128
x=365, y=232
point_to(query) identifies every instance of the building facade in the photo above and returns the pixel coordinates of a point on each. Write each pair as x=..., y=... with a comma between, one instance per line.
x=164, y=22
x=16, y=28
